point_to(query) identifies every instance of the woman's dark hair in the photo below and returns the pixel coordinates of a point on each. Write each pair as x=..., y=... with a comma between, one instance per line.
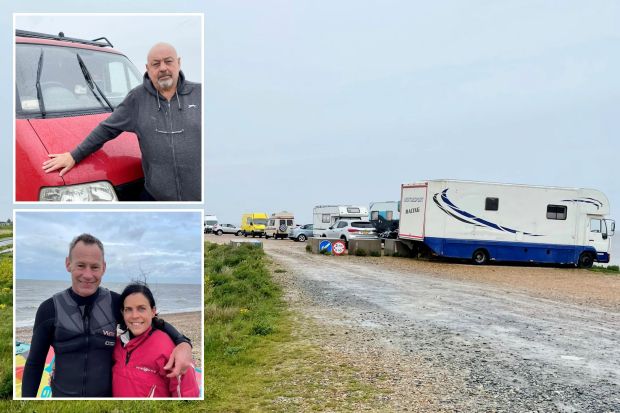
x=143, y=289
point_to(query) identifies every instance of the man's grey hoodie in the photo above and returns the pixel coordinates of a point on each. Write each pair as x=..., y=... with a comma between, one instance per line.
x=169, y=134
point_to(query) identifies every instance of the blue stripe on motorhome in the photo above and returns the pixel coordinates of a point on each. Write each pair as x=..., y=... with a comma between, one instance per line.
x=596, y=203
x=511, y=251
x=489, y=224
x=451, y=214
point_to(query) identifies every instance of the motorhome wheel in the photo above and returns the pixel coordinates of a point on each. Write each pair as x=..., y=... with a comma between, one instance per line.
x=480, y=257
x=586, y=260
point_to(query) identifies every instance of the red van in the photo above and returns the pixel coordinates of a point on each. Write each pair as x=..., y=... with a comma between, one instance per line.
x=63, y=88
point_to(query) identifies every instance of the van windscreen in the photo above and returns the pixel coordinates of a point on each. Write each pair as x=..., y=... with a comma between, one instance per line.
x=63, y=85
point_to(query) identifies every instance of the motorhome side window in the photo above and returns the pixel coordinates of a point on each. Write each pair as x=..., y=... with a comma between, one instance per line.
x=289, y=222
x=556, y=212
x=325, y=218
x=351, y=210
x=492, y=204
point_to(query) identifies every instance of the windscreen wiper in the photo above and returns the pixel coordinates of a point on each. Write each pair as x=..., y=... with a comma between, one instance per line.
x=38, y=85
x=92, y=84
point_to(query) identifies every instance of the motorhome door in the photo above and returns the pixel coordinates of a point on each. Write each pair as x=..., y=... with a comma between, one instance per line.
x=598, y=233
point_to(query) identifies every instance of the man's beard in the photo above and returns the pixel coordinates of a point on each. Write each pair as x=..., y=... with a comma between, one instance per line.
x=165, y=84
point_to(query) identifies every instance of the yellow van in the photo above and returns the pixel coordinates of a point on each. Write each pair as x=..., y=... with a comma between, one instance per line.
x=279, y=225
x=253, y=224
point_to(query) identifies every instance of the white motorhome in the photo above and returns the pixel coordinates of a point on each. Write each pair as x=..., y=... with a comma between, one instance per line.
x=506, y=222
x=325, y=216
x=210, y=221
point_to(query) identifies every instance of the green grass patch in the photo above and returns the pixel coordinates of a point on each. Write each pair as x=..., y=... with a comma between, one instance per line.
x=6, y=232
x=6, y=326
x=361, y=252
x=610, y=269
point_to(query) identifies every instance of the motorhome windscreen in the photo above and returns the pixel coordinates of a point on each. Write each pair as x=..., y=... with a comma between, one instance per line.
x=62, y=82
x=362, y=224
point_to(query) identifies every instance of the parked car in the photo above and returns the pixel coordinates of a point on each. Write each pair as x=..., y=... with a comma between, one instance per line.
x=301, y=233
x=64, y=87
x=219, y=229
x=347, y=229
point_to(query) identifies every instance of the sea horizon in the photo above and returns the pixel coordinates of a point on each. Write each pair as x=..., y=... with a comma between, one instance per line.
x=29, y=294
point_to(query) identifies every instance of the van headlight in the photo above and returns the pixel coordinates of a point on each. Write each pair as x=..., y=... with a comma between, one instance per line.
x=91, y=192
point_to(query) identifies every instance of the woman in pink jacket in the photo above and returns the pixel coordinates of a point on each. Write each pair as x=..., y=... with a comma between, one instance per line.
x=142, y=351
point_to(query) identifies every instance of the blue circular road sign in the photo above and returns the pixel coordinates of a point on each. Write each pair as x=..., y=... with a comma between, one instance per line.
x=325, y=246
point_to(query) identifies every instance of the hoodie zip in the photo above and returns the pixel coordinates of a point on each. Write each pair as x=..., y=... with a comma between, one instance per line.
x=168, y=117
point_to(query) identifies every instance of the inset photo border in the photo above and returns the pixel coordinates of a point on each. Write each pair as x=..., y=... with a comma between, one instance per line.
x=58, y=269
x=108, y=107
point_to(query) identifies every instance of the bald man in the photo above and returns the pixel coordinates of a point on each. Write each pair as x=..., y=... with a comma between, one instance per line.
x=165, y=114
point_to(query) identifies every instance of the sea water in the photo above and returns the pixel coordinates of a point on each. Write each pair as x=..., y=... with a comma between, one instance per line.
x=169, y=298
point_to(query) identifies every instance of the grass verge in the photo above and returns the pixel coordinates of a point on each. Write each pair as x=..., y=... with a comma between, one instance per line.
x=609, y=269
x=6, y=326
x=258, y=355
x=6, y=232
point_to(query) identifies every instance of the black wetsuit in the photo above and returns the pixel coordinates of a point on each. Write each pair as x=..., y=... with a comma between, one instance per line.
x=93, y=382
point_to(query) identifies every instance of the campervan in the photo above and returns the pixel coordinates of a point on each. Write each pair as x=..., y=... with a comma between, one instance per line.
x=324, y=216
x=210, y=222
x=506, y=222
x=253, y=223
x=279, y=224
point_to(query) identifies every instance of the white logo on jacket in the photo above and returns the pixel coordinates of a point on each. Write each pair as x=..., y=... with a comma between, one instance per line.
x=146, y=369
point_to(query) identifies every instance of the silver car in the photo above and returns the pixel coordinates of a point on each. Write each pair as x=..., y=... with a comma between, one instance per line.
x=347, y=230
x=219, y=229
x=301, y=233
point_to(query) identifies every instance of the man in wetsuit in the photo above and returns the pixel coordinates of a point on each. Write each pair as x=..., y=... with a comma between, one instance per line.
x=80, y=323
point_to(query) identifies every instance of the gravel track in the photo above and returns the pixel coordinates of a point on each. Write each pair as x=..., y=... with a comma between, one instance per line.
x=478, y=339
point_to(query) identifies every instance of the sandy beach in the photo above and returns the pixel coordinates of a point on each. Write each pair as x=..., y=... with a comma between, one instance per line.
x=187, y=323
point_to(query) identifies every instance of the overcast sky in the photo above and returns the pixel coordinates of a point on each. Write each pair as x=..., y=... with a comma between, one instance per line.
x=315, y=102
x=342, y=102
x=166, y=246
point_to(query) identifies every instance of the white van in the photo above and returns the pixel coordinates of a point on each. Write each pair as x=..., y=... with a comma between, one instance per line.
x=279, y=225
x=210, y=221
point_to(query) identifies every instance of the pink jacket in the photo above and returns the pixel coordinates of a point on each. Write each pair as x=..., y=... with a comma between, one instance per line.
x=138, y=369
